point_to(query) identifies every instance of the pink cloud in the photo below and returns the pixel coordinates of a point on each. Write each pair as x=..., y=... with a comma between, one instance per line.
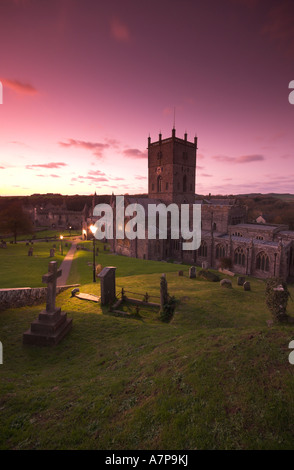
x=97, y=179
x=241, y=159
x=134, y=153
x=19, y=87
x=119, y=30
x=46, y=165
x=46, y=176
x=95, y=147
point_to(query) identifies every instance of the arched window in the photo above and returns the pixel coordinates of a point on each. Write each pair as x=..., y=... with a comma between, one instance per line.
x=262, y=261
x=219, y=251
x=239, y=256
x=184, y=183
x=159, y=181
x=202, y=250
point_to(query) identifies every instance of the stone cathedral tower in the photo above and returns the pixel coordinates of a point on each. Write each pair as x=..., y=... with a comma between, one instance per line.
x=172, y=169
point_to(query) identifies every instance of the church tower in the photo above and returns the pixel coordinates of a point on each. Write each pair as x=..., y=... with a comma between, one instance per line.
x=172, y=169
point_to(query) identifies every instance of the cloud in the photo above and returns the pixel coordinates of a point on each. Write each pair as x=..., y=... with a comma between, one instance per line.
x=19, y=87
x=95, y=147
x=96, y=179
x=139, y=177
x=46, y=165
x=241, y=159
x=134, y=153
x=119, y=30
x=51, y=176
x=96, y=173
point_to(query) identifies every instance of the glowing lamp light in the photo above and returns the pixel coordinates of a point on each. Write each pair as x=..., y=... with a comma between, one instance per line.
x=93, y=229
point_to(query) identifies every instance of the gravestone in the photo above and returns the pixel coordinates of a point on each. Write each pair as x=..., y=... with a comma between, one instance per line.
x=246, y=285
x=192, y=272
x=226, y=283
x=163, y=291
x=204, y=264
x=52, y=325
x=180, y=273
x=107, y=285
x=52, y=252
x=30, y=252
x=240, y=280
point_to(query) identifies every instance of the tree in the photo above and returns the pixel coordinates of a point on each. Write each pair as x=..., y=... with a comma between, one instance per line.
x=14, y=220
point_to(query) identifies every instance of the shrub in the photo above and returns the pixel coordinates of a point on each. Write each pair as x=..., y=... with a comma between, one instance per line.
x=167, y=312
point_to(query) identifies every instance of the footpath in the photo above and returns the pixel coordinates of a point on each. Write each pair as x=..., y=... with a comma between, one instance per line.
x=66, y=264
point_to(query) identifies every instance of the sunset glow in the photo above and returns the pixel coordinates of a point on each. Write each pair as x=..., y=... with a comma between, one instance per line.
x=86, y=83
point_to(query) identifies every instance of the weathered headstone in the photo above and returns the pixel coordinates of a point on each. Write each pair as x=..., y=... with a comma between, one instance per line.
x=52, y=325
x=107, y=285
x=52, y=252
x=240, y=280
x=226, y=283
x=192, y=272
x=180, y=273
x=30, y=252
x=204, y=264
x=246, y=285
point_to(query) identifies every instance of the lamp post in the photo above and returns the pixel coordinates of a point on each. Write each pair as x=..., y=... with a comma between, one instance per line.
x=61, y=244
x=93, y=230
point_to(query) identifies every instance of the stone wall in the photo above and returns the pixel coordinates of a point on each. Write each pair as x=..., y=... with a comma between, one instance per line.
x=25, y=296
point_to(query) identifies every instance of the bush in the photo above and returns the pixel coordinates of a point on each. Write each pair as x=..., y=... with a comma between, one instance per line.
x=209, y=276
x=167, y=312
x=277, y=295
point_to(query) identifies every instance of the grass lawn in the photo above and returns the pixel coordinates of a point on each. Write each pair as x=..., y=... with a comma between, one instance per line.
x=215, y=377
x=17, y=269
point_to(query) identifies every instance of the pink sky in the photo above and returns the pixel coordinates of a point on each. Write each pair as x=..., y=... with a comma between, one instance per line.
x=85, y=83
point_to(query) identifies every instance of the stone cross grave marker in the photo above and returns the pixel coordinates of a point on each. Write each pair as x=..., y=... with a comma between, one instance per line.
x=51, y=279
x=51, y=325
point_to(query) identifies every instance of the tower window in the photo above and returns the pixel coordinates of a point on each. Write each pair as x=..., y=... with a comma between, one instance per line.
x=166, y=186
x=159, y=181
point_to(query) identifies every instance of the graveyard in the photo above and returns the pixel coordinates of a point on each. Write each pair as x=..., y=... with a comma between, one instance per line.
x=216, y=375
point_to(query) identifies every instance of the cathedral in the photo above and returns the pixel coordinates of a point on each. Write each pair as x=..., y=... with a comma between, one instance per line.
x=227, y=239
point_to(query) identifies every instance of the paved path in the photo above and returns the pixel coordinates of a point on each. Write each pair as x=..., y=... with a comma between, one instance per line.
x=66, y=264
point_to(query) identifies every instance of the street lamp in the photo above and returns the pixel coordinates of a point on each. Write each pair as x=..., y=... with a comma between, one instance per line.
x=93, y=230
x=61, y=244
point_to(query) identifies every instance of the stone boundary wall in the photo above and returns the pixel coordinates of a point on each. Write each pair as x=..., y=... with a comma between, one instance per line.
x=25, y=296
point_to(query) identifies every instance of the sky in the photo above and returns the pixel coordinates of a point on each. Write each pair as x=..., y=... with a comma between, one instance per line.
x=84, y=83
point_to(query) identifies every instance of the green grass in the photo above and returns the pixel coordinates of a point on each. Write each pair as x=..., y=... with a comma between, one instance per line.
x=46, y=233
x=215, y=377
x=20, y=270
